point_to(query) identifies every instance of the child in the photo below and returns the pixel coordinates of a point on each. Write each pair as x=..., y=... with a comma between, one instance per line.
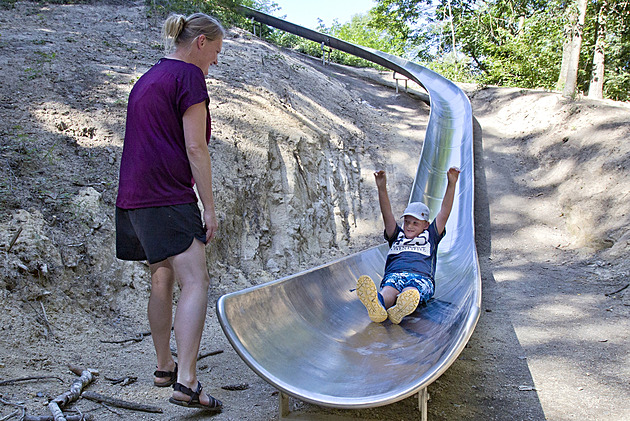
x=410, y=265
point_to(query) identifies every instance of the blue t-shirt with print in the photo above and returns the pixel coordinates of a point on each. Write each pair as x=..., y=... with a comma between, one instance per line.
x=415, y=255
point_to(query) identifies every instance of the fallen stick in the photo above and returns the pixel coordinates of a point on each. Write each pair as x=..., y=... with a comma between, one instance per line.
x=138, y=338
x=11, y=415
x=48, y=327
x=14, y=239
x=123, y=381
x=111, y=409
x=208, y=354
x=97, y=397
x=57, y=414
x=73, y=417
x=241, y=386
x=201, y=355
x=79, y=371
x=55, y=405
x=617, y=292
x=25, y=379
x=19, y=405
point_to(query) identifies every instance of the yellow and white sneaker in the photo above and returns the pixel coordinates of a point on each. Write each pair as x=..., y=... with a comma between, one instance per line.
x=366, y=290
x=406, y=303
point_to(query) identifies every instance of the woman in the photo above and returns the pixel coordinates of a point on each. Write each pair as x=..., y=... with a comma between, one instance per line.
x=157, y=218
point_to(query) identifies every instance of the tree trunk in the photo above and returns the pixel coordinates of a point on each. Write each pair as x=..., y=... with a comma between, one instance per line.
x=450, y=12
x=566, y=57
x=566, y=51
x=596, y=85
x=575, y=44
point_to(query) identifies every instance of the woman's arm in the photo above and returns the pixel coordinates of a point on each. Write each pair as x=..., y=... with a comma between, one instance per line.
x=197, y=150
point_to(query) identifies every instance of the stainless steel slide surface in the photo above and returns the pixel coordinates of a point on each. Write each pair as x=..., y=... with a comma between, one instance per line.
x=309, y=335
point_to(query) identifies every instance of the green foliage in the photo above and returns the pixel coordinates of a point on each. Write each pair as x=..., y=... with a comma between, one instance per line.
x=617, y=53
x=357, y=31
x=501, y=42
x=617, y=86
x=287, y=40
x=456, y=69
x=406, y=21
x=226, y=11
x=512, y=42
x=398, y=17
x=7, y=4
x=617, y=73
x=508, y=49
x=526, y=58
x=45, y=57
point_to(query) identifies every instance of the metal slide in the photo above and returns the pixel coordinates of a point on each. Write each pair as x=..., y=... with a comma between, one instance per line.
x=308, y=334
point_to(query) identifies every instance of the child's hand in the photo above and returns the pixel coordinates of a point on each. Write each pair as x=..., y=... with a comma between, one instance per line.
x=381, y=179
x=453, y=174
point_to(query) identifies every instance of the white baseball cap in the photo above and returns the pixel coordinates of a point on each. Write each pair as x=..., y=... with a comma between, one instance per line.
x=418, y=210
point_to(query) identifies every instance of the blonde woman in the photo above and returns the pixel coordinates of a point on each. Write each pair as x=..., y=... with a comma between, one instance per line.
x=165, y=152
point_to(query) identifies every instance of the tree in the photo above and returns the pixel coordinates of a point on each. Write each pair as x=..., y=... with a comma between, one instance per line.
x=574, y=28
x=359, y=31
x=227, y=11
x=404, y=21
x=596, y=85
x=504, y=42
x=510, y=42
x=609, y=62
x=568, y=45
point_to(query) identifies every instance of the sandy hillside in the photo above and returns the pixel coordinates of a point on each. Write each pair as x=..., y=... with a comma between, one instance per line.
x=294, y=147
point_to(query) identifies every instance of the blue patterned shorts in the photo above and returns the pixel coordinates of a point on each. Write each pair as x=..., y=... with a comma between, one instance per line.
x=403, y=280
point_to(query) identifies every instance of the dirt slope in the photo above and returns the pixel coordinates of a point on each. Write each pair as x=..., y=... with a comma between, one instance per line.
x=294, y=147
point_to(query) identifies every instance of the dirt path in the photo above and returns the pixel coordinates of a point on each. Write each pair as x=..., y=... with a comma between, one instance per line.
x=294, y=147
x=553, y=278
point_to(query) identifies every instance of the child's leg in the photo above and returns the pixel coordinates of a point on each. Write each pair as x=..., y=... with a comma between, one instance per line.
x=369, y=296
x=416, y=288
x=406, y=303
x=389, y=295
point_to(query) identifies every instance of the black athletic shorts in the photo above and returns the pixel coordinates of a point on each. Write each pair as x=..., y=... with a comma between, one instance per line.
x=157, y=233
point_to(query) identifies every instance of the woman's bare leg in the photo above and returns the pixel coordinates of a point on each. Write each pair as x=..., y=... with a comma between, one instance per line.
x=190, y=316
x=160, y=312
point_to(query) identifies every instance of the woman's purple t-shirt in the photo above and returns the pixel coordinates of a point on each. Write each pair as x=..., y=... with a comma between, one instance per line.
x=154, y=168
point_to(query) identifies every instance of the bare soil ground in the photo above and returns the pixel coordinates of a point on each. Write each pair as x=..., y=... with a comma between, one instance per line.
x=294, y=147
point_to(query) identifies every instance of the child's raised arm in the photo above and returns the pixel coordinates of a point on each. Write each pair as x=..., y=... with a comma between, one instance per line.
x=383, y=199
x=447, y=202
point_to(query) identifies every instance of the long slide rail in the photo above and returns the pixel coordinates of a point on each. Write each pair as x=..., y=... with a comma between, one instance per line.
x=309, y=336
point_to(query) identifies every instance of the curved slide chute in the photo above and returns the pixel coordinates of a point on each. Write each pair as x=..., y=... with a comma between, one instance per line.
x=308, y=334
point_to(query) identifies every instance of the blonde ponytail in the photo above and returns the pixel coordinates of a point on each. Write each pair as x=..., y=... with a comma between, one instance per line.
x=179, y=30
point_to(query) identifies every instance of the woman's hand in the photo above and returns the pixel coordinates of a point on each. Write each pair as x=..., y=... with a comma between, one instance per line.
x=211, y=224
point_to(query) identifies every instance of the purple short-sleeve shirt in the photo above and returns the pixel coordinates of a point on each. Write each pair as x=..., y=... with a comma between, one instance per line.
x=154, y=168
